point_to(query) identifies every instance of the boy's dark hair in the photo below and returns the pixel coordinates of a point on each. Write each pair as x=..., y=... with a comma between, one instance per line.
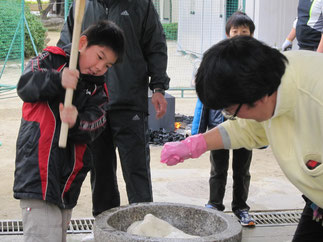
x=108, y=34
x=239, y=70
x=238, y=19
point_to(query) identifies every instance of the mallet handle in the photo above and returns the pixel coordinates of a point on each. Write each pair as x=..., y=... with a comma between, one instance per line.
x=78, y=17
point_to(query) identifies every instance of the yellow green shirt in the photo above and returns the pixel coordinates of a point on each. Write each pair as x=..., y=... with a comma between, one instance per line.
x=295, y=132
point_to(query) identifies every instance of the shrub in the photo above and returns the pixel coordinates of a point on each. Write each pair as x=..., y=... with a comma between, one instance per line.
x=170, y=31
x=38, y=33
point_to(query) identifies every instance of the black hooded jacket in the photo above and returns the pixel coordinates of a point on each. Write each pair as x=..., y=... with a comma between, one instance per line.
x=145, y=50
x=43, y=170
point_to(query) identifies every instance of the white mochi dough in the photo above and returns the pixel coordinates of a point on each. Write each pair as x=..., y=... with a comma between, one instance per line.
x=154, y=227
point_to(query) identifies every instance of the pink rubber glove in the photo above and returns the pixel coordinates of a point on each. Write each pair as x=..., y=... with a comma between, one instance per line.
x=176, y=152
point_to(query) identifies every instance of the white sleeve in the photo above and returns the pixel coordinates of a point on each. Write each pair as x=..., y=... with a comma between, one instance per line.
x=316, y=16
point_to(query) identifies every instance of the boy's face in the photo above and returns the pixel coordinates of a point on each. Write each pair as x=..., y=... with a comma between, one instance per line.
x=95, y=60
x=239, y=30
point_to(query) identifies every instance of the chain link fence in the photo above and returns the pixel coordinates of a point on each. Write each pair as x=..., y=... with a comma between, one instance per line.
x=191, y=27
x=11, y=45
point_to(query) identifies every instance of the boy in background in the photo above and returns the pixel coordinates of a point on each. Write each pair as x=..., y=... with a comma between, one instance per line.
x=204, y=118
x=48, y=179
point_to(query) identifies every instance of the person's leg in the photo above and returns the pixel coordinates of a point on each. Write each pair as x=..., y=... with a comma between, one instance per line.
x=218, y=177
x=131, y=136
x=105, y=193
x=307, y=228
x=66, y=219
x=42, y=221
x=241, y=178
x=241, y=181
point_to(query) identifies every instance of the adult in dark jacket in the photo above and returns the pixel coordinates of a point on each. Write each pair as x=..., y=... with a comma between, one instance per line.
x=128, y=82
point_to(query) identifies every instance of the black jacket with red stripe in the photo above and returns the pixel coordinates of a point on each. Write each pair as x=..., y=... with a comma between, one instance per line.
x=43, y=170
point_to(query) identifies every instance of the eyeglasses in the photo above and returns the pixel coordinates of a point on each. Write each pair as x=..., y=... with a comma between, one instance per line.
x=229, y=116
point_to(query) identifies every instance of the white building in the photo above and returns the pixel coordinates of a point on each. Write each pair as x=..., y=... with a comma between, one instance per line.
x=201, y=23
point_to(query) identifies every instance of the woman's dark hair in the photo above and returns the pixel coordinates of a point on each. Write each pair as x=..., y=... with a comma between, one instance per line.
x=238, y=19
x=239, y=70
x=108, y=34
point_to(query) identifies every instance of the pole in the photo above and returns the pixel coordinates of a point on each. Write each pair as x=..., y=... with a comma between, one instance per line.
x=79, y=12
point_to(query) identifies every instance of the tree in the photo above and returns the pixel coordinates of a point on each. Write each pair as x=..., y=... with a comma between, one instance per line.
x=44, y=12
x=60, y=7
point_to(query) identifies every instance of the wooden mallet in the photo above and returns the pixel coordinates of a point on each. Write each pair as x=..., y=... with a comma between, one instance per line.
x=78, y=17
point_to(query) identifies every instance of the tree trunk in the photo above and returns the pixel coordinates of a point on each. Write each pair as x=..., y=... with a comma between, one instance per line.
x=46, y=11
x=60, y=7
x=40, y=6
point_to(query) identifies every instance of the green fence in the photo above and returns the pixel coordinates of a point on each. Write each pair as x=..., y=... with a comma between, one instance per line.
x=11, y=45
x=18, y=26
x=67, y=7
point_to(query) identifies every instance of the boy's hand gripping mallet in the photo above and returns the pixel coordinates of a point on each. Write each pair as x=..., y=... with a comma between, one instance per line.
x=79, y=12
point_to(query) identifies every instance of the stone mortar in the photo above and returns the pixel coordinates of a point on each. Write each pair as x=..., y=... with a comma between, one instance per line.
x=209, y=224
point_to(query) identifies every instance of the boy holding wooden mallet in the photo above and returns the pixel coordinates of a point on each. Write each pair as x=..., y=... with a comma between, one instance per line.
x=48, y=178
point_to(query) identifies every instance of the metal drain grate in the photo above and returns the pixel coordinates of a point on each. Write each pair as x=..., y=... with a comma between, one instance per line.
x=14, y=227
x=85, y=225
x=276, y=218
x=11, y=227
x=80, y=226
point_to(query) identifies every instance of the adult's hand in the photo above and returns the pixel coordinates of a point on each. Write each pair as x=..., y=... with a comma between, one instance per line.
x=287, y=45
x=176, y=152
x=160, y=104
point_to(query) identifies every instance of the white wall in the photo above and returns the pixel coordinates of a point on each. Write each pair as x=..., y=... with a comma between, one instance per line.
x=174, y=10
x=204, y=27
x=273, y=19
x=200, y=25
